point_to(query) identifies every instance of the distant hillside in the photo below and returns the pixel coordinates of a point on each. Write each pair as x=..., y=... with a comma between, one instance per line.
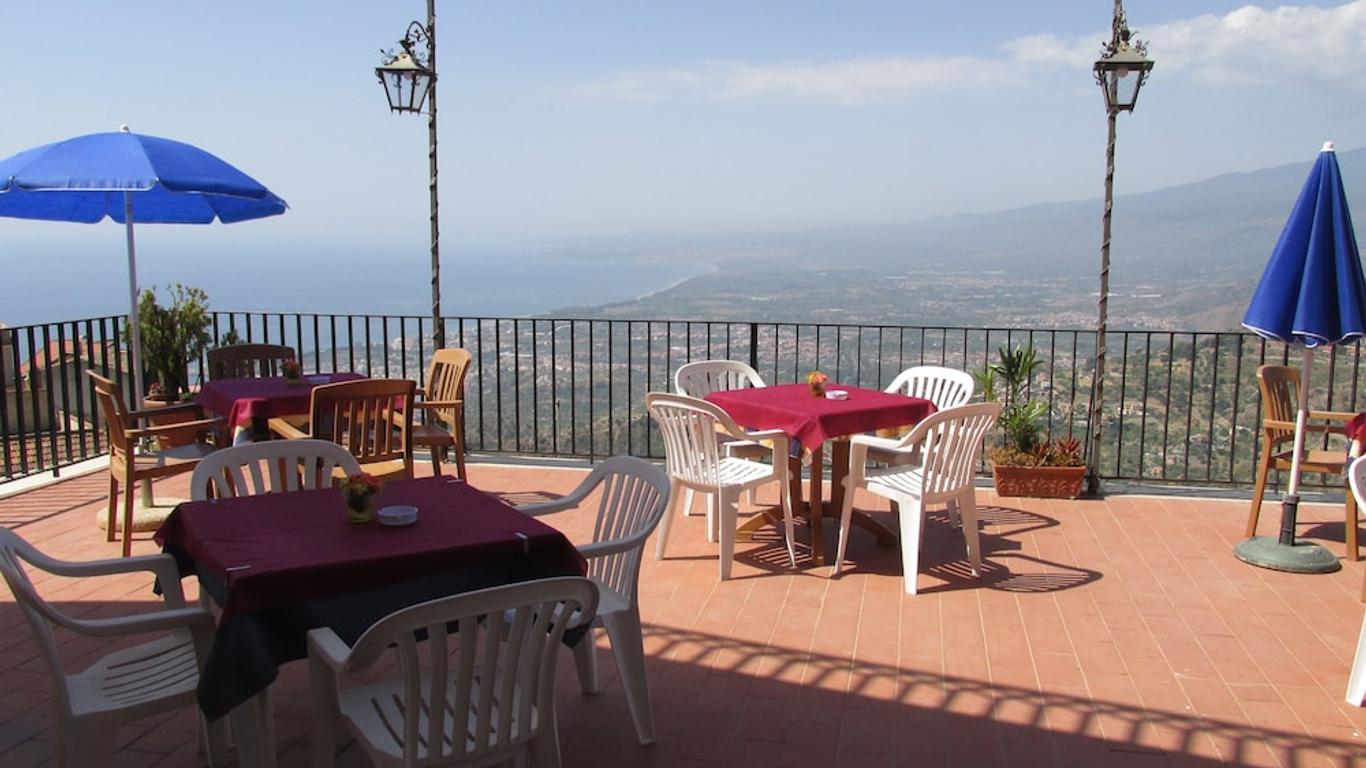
x=1184, y=257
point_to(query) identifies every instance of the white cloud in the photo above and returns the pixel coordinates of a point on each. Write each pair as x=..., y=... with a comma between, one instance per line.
x=1249, y=44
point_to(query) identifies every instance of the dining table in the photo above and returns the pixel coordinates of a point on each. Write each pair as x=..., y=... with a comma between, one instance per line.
x=248, y=404
x=282, y=564
x=811, y=421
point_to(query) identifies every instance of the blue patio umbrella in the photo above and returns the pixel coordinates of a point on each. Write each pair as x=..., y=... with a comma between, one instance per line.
x=1312, y=294
x=130, y=177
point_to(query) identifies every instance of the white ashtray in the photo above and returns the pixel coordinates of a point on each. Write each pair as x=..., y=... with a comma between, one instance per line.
x=319, y=379
x=836, y=394
x=396, y=515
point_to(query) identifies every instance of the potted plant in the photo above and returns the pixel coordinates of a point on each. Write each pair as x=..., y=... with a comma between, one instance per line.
x=1026, y=462
x=172, y=336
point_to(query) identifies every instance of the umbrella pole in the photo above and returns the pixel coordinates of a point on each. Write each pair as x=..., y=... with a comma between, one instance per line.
x=1290, y=504
x=134, y=327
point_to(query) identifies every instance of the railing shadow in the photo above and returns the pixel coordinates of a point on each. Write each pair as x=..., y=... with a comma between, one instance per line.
x=715, y=696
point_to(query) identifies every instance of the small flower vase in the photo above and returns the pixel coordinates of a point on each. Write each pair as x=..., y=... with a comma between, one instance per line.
x=293, y=381
x=360, y=507
x=817, y=388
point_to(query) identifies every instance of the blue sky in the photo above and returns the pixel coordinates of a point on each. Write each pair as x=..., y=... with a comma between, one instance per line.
x=563, y=119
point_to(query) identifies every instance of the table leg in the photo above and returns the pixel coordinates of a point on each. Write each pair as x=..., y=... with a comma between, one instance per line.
x=814, y=506
x=811, y=508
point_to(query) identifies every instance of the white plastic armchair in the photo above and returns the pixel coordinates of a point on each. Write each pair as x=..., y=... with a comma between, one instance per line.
x=482, y=692
x=1356, y=683
x=694, y=460
x=950, y=442
x=635, y=496
x=945, y=387
x=274, y=466
x=126, y=685
x=704, y=377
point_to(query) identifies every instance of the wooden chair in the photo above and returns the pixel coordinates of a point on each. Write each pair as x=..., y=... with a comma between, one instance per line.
x=951, y=443
x=128, y=684
x=477, y=691
x=635, y=496
x=1280, y=392
x=248, y=361
x=443, y=424
x=371, y=418
x=128, y=467
x=695, y=460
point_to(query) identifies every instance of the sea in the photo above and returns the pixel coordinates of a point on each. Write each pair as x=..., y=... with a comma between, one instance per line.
x=50, y=287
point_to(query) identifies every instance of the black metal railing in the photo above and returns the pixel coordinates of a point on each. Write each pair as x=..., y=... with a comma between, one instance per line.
x=1180, y=407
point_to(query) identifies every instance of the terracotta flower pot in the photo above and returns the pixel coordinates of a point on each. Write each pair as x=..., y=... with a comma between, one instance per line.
x=1038, y=482
x=167, y=441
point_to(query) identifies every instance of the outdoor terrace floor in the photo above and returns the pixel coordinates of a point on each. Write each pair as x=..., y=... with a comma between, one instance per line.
x=1107, y=632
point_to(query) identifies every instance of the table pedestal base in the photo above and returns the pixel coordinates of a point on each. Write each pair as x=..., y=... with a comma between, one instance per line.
x=812, y=510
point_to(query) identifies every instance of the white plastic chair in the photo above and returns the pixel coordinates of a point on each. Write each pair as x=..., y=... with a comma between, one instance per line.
x=945, y=387
x=126, y=685
x=950, y=442
x=704, y=377
x=635, y=495
x=693, y=457
x=1356, y=683
x=289, y=465
x=483, y=691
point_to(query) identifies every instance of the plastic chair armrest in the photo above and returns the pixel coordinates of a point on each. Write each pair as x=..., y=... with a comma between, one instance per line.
x=162, y=566
x=611, y=547
x=172, y=618
x=325, y=645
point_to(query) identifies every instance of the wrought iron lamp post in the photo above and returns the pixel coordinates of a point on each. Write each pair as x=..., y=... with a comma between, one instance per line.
x=409, y=80
x=1120, y=72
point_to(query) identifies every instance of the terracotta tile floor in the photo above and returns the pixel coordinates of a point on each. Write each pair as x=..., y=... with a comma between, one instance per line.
x=1108, y=632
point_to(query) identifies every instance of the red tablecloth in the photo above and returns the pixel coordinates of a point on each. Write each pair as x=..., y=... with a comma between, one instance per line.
x=240, y=401
x=1356, y=428
x=813, y=420
x=280, y=549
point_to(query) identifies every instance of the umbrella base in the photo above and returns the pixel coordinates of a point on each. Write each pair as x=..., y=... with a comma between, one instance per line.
x=1300, y=557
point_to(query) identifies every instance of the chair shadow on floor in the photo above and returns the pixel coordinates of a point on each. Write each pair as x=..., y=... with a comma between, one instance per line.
x=1004, y=566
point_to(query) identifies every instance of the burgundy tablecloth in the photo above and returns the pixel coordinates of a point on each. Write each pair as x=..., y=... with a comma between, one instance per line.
x=813, y=420
x=1356, y=428
x=240, y=401
x=277, y=550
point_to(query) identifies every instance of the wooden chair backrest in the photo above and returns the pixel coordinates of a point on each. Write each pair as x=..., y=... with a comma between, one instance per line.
x=945, y=387
x=490, y=656
x=1280, y=386
x=952, y=447
x=446, y=382
x=114, y=410
x=704, y=377
x=248, y=361
x=274, y=466
x=371, y=418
